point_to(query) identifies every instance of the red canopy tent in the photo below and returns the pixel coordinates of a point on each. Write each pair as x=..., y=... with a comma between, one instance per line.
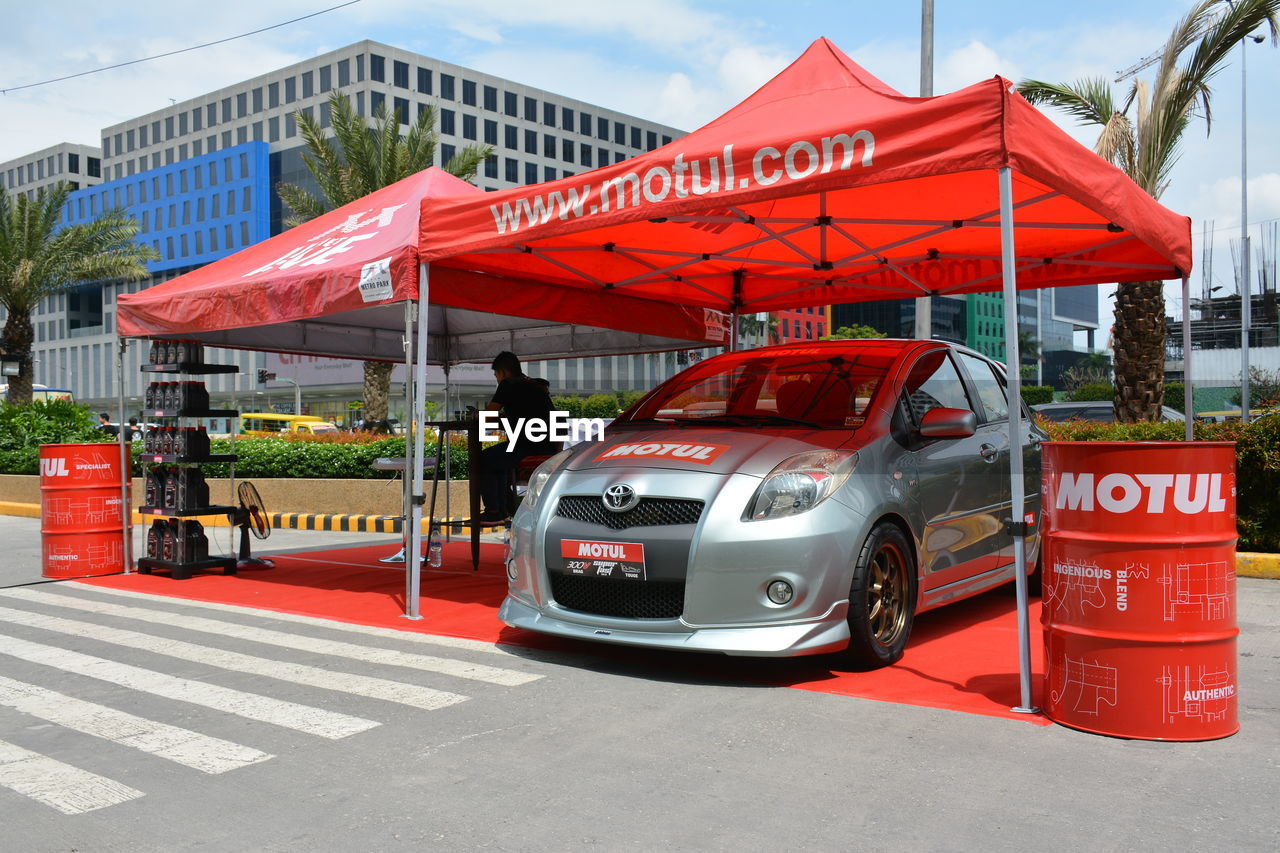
x=827, y=186
x=338, y=285
x=346, y=284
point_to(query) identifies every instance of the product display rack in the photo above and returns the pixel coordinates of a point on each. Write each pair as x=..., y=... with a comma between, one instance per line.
x=182, y=570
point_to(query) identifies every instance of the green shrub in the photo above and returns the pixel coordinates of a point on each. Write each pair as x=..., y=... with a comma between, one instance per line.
x=1257, y=465
x=600, y=406
x=278, y=458
x=1034, y=395
x=1094, y=391
x=1175, y=396
x=572, y=405
x=24, y=428
x=595, y=406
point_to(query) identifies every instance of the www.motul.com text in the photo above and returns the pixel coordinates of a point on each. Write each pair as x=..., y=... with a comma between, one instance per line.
x=681, y=178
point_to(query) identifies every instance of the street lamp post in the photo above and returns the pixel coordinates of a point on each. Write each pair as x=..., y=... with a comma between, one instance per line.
x=924, y=304
x=297, y=393
x=1246, y=290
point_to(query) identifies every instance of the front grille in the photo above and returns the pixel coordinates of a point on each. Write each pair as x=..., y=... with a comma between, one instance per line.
x=621, y=598
x=649, y=512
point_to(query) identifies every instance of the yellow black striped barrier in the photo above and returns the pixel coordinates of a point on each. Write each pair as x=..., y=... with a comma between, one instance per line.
x=333, y=522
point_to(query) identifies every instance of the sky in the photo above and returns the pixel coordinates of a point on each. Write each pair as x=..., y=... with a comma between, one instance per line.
x=681, y=62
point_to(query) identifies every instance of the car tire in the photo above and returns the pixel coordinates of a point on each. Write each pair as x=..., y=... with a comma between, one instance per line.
x=882, y=599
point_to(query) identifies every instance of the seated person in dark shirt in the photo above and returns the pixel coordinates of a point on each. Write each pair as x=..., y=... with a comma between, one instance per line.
x=518, y=398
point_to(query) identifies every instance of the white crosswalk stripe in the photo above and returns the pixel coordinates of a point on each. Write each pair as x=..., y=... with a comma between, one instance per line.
x=335, y=648
x=68, y=789
x=312, y=676
x=405, y=636
x=58, y=610
x=291, y=715
x=191, y=749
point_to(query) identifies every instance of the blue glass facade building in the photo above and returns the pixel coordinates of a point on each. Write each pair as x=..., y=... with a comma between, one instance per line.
x=193, y=212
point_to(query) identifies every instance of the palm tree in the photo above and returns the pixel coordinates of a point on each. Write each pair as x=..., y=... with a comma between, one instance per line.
x=1141, y=135
x=1029, y=348
x=39, y=258
x=751, y=326
x=364, y=161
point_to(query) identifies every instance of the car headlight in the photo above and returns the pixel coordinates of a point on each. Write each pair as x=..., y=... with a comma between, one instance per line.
x=800, y=483
x=541, y=474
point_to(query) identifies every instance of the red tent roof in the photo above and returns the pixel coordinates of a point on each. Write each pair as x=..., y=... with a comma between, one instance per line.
x=336, y=286
x=825, y=186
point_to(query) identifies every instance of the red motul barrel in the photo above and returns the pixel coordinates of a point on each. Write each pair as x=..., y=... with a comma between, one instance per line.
x=81, y=510
x=1140, y=588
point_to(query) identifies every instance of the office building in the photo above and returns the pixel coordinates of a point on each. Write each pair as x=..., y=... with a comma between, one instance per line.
x=1055, y=317
x=78, y=165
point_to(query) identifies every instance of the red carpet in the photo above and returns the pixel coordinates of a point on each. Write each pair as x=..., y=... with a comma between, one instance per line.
x=962, y=657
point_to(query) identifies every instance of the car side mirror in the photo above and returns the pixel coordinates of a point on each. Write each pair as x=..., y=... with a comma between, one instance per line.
x=948, y=423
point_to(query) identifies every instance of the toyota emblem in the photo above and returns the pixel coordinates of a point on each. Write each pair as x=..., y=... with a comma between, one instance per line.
x=619, y=498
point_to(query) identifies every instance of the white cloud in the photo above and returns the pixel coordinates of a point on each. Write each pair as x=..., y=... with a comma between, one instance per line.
x=971, y=63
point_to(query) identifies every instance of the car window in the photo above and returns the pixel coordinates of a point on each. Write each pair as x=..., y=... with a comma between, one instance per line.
x=990, y=389
x=934, y=383
x=815, y=385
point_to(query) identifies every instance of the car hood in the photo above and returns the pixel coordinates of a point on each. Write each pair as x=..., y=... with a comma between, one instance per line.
x=718, y=451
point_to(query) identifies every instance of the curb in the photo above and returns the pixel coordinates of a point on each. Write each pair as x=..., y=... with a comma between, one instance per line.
x=1249, y=565
x=20, y=510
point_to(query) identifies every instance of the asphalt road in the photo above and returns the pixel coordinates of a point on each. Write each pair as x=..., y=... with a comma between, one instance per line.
x=392, y=742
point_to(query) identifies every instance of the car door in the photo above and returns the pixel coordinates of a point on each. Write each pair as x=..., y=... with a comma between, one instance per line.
x=993, y=397
x=957, y=487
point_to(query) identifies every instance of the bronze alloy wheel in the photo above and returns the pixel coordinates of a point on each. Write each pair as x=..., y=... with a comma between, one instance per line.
x=882, y=599
x=887, y=594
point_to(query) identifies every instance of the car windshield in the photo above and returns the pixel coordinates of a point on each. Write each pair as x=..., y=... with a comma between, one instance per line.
x=799, y=386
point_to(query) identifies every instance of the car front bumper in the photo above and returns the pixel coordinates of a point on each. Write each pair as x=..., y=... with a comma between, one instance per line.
x=828, y=634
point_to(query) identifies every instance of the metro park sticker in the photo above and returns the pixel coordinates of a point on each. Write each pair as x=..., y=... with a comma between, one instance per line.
x=621, y=560
x=701, y=454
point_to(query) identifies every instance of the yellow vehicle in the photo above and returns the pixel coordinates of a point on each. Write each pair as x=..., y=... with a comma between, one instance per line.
x=266, y=423
x=1219, y=417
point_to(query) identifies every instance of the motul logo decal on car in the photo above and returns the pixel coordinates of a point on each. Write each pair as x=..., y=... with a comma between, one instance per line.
x=623, y=560
x=703, y=454
x=1150, y=493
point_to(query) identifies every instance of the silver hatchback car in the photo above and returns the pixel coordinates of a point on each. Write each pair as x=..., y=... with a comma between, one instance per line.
x=788, y=500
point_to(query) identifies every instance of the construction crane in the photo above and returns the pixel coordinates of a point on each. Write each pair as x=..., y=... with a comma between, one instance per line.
x=1147, y=61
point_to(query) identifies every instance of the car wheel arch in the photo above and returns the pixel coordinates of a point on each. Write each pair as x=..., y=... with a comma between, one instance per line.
x=900, y=522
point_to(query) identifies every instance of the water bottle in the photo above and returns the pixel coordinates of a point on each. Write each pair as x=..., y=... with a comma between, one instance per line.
x=434, y=549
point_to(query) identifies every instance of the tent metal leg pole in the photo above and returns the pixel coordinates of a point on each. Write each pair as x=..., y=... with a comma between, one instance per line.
x=733, y=331
x=413, y=563
x=126, y=472
x=1017, y=491
x=406, y=482
x=1188, y=406
x=443, y=459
